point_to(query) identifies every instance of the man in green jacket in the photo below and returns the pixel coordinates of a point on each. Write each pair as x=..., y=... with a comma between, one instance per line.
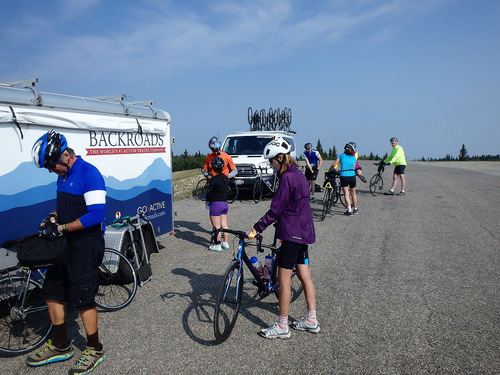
x=397, y=157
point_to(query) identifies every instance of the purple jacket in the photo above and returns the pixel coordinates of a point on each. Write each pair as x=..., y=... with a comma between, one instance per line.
x=291, y=208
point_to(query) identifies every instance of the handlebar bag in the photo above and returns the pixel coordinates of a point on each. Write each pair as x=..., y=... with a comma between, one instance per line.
x=35, y=252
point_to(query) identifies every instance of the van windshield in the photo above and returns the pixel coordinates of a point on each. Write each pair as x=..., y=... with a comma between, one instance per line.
x=246, y=145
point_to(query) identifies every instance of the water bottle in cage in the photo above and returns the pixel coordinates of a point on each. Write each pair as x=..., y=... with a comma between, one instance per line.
x=257, y=265
x=268, y=263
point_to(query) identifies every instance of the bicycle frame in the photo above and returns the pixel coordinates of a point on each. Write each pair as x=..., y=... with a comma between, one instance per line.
x=241, y=256
x=25, y=290
x=230, y=293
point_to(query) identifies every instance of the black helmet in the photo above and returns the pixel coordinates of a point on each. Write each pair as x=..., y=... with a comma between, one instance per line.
x=348, y=146
x=217, y=163
x=394, y=139
x=48, y=148
x=308, y=146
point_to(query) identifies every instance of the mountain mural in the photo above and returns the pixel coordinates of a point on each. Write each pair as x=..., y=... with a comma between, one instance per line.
x=25, y=219
x=18, y=190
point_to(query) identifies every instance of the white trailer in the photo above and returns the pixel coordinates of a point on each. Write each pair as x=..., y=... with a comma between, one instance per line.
x=128, y=142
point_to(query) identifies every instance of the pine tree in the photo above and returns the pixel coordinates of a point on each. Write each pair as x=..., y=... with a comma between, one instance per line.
x=463, y=154
x=320, y=149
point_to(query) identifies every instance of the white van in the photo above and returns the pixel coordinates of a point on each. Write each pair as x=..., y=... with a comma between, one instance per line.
x=246, y=149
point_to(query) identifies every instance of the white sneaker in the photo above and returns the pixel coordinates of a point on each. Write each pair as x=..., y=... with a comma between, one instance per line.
x=275, y=332
x=216, y=247
x=306, y=325
x=224, y=245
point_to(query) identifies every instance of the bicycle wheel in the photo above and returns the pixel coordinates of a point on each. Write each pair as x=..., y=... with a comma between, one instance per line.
x=336, y=194
x=376, y=184
x=201, y=190
x=130, y=256
x=250, y=116
x=326, y=203
x=24, y=318
x=297, y=287
x=117, y=281
x=232, y=191
x=228, y=302
x=257, y=191
x=342, y=198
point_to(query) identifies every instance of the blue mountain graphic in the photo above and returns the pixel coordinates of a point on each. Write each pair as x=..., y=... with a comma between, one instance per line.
x=23, y=193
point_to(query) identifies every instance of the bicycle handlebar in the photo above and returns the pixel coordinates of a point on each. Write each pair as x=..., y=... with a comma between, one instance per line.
x=127, y=220
x=242, y=236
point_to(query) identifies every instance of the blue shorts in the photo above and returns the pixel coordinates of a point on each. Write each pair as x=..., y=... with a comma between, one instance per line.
x=292, y=253
x=76, y=283
x=219, y=208
x=399, y=169
x=348, y=181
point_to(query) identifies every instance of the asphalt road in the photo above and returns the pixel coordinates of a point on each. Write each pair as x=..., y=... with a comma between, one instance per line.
x=410, y=285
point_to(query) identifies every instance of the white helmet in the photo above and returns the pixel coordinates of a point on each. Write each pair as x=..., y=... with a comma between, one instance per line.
x=277, y=146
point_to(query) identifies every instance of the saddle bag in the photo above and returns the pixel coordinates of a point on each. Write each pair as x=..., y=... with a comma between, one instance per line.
x=35, y=252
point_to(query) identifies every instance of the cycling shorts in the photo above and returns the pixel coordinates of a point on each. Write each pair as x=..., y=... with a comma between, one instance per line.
x=311, y=175
x=218, y=208
x=348, y=181
x=76, y=283
x=399, y=169
x=292, y=253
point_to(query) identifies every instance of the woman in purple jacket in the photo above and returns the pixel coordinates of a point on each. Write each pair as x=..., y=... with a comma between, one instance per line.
x=292, y=211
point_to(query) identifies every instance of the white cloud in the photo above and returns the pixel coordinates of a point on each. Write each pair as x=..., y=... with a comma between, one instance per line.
x=167, y=38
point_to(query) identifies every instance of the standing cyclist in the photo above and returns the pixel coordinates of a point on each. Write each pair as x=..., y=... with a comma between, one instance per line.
x=313, y=163
x=397, y=157
x=217, y=203
x=81, y=203
x=229, y=168
x=291, y=209
x=347, y=162
x=357, y=167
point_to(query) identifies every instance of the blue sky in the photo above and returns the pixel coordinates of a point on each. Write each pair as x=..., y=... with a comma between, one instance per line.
x=426, y=71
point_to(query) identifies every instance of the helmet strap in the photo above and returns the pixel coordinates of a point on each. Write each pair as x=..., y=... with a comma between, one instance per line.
x=278, y=172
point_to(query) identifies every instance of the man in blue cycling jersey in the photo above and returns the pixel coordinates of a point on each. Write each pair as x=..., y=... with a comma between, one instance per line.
x=313, y=163
x=81, y=203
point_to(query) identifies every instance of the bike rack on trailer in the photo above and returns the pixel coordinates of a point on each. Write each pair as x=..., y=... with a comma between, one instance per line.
x=116, y=238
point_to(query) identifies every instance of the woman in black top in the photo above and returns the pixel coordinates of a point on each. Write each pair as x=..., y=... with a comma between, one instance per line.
x=217, y=202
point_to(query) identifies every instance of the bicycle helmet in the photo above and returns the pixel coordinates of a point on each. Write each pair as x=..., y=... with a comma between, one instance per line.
x=348, y=146
x=394, y=139
x=48, y=148
x=217, y=163
x=214, y=143
x=308, y=146
x=277, y=146
x=353, y=144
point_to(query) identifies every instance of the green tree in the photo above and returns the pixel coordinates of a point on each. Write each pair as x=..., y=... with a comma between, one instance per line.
x=332, y=153
x=463, y=154
x=319, y=147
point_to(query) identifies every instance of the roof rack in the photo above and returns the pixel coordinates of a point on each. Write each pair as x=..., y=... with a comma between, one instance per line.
x=108, y=104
